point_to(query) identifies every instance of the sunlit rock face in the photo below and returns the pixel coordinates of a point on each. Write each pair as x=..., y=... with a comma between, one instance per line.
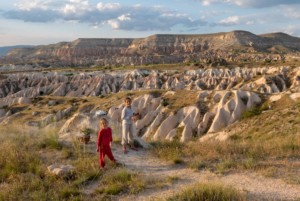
x=212, y=49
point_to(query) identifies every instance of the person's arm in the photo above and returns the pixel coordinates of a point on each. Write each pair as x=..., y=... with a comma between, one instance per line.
x=110, y=136
x=135, y=116
x=123, y=114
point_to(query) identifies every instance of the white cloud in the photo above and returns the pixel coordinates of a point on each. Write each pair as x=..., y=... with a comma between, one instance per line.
x=252, y=3
x=114, y=24
x=108, y=6
x=136, y=17
x=232, y=20
x=28, y=5
x=69, y=9
x=124, y=17
x=208, y=2
x=248, y=20
x=76, y=7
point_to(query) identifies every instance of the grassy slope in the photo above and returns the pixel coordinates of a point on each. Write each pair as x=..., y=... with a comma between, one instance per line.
x=268, y=143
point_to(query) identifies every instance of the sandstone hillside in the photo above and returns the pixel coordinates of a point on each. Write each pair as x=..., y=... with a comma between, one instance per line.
x=232, y=46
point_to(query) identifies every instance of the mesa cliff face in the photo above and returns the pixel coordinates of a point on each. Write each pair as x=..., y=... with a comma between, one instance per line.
x=156, y=49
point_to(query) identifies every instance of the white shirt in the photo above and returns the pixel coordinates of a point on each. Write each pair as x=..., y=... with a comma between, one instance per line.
x=126, y=115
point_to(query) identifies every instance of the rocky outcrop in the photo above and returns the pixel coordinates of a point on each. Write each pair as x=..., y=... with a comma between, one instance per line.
x=157, y=123
x=230, y=108
x=210, y=49
x=295, y=78
x=222, y=95
x=20, y=87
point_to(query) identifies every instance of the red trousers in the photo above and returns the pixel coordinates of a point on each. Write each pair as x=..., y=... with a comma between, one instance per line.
x=105, y=151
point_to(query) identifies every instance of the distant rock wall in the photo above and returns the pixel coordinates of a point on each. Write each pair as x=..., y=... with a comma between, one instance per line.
x=159, y=49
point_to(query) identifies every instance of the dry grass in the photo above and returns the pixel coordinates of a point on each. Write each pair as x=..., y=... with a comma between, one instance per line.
x=268, y=143
x=25, y=155
x=208, y=191
x=40, y=107
x=257, y=143
x=24, y=161
x=168, y=150
x=180, y=99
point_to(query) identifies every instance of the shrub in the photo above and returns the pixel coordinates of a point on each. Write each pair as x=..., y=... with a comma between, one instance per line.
x=164, y=102
x=251, y=112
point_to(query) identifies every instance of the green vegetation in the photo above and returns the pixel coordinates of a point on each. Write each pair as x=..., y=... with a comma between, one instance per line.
x=87, y=131
x=251, y=112
x=121, y=181
x=208, y=191
x=164, y=103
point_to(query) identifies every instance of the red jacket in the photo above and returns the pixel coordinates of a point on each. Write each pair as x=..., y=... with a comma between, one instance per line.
x=104, y=137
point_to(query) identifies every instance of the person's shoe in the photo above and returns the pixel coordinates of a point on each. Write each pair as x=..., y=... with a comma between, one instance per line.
x=124, y=150
x=119, y=164
x=133, y=147
x=103, y=169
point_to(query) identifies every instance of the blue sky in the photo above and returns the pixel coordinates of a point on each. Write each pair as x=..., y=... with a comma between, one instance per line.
x=41, y=22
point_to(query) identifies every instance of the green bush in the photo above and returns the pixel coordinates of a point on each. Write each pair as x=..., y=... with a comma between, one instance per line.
x=251, y=112
x=164, y=102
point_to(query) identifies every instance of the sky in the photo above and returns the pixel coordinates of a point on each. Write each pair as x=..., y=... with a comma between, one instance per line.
x=42, y=22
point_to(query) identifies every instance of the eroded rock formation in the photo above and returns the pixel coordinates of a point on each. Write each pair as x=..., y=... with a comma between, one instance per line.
x=20, y=87
x=222, y=97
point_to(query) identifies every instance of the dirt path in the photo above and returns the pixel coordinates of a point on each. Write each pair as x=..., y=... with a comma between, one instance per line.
x=254, y=185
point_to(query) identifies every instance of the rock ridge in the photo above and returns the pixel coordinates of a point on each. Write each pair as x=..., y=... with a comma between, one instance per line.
x=157, y=49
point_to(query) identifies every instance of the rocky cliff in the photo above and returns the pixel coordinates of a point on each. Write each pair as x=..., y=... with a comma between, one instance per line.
x=156, y=49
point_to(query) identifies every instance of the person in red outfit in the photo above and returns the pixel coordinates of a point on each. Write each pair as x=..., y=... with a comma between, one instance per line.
x=104, y=142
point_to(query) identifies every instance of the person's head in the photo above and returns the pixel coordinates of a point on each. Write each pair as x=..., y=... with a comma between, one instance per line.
x=127, y=102
x=103, y=123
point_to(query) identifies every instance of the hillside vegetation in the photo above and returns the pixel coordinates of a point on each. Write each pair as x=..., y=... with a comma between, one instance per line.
x=266, y=142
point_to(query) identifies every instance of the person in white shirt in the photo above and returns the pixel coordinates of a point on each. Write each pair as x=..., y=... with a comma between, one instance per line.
x=128, y=117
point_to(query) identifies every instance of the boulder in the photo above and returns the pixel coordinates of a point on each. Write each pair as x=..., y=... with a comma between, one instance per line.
x=61, y=170
x=166, y=126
